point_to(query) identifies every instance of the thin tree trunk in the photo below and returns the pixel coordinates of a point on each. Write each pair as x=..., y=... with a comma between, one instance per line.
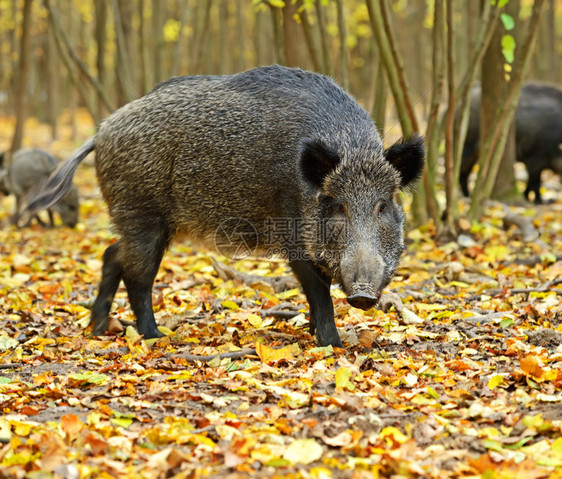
x=23, y=73
x=147, y=70
x=343, y=47
x=241, y=33
x=126, y=94
x=450, y=183
x=123, y=15
x=69, y=64
x=488, y=21
x=326, y=57
x=377, y=27
x=101, y=37
x=53, y=82
x=202, y=40
x=551, y=44
x=397, y=58
x=70, y=57
x=379, y=104
x=277, y=40
x=291, y=37
x=495, y=140
x=177, y=55
x=505, y=188
x=310, y=41
x=157, y=40
x=432, y=131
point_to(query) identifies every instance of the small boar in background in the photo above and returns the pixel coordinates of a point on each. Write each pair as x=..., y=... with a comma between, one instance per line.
x=275, y=159
x=27, y=169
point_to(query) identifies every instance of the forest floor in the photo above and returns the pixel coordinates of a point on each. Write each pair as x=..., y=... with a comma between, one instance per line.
x=465, y=381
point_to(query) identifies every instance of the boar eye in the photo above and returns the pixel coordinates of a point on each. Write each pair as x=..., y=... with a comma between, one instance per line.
x=382, y=208
x=337, y=208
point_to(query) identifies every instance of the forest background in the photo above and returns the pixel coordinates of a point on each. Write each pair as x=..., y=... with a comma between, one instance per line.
x=460, y=374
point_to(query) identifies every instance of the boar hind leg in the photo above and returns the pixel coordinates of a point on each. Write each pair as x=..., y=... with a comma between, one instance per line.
x=316, y=287
x=111, y=276
x=140, y=258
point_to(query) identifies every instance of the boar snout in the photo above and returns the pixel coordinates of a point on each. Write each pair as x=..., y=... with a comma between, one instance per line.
x=363, y=278
x=363, y=301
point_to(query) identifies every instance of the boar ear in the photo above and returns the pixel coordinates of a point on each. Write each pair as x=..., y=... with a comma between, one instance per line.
x=317, y=161
x=407, y=156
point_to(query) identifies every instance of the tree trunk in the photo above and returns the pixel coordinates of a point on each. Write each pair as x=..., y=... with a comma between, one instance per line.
x=494, y=86
x=157, y=40
x=432, y=132
x=326, y=56
x=241, y=33
x=125, y=50
x=311, y=44
x=450, y=180
x=101, y=37
x=23, y=73
x=53, y=83
x=291, y=36
x=277, y=37
x=491, y=149
x=344, y=73
x=201, y=47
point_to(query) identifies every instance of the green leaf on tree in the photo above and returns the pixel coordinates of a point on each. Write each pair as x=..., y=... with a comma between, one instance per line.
x=508, y=21
x=500, y=3
x=508, y=48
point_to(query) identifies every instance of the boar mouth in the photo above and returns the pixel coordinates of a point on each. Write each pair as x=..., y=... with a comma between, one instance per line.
x=363, y=296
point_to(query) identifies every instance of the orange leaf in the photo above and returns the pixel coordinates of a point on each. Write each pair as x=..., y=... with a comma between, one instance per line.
x=532, y=366
x=71, y=425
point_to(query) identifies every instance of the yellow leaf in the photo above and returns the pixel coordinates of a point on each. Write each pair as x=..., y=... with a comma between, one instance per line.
x=255, y=320
x=495, y=381
x=533, y=421
x=557, y=446
x=296, y=400
x=497, y=253
x=267, y=354
x=393, y=434
x=289, y=293
x=343, y=376
x=229, y=304
x=5, y=433
x=171, y=30
x=303, y=451
x=165, y=330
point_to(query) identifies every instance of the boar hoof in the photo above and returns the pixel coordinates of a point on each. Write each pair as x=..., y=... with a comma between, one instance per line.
x=152, y=333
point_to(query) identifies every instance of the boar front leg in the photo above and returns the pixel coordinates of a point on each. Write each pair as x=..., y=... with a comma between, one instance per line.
x=316, y=287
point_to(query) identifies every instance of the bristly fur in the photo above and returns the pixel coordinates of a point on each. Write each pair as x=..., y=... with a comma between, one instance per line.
x=283, y=157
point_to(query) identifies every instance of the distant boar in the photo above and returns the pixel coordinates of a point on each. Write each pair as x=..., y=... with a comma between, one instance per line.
x=538, y=134
x=275, y=159
x=28, y=168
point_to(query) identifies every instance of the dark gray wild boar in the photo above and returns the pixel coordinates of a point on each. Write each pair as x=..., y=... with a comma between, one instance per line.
x=538, y=134
x=27, y=169
x=280, y=159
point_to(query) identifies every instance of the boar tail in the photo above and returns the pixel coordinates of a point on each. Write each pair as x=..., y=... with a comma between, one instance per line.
x=57, y=185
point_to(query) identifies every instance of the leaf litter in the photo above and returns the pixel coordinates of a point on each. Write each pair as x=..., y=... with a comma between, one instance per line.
x=461, y=375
